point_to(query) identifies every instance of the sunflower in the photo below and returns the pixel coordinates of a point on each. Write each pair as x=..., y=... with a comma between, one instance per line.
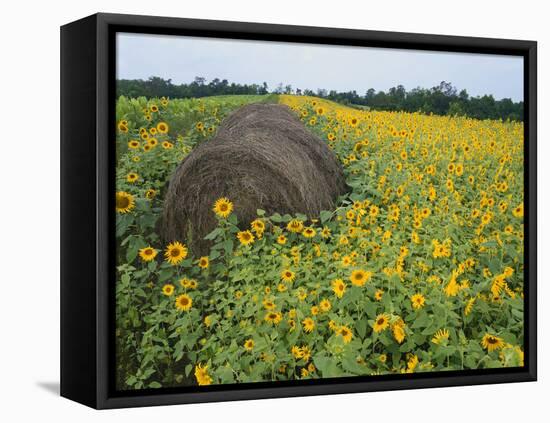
x=133, y=144
x=295, y=226
x=373, y=211
x=288, y=275
x=491, y=342
x=309, y=232
x=132, y=177
x=162, y=127
x=378, y=295
x=245, y=237
x=440, y=336
x=296, y=351
x=398, y=330
x=168, y=289
x=199, y=126
x=268, y=304
x=346, y=261
x=184, y=302
x=273, y=317
x=124, y=202
x=418, y=301
x=150, y=194
x=360, y=277
x=153, y=142
x=381, y=322
x=518, y=211
x=308, y=324
x=325, y=232
x=469, y=306
x=204, y=262
x=306, y=353
x=249, y=344
x=202, y=376
x=258, y=226
x=175, y=252
x=167, y=145
x=281, y=239
x=147, y=253
x=154, y=108
x=122, y=127
x=339, y=287
x=346, y=334
x=325, y=305
x=223, y=207
x=320, y=111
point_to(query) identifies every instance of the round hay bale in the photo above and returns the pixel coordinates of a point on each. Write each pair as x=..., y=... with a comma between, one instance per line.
x=261, y=158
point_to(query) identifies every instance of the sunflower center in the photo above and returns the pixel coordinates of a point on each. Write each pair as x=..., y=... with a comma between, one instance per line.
x=380, y=321
x=184, y=301
x=491, y=340
x=175, y=252
x=122, y=202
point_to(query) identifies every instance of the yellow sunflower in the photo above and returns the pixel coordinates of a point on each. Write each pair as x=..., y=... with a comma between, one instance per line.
x=273, y=317
x=223, y=207
x=295, y=226
x=132, y=177
x=258, y=226
x=124, y=202
x=245, y=237
x=204, y=262
x=492, y=342
x=418, y=301
x=202, y=376
x=184, y=302
x=359, y=277
x=133, y=144
x=287, y=275
x=308, y=324
x=346, y=334
x=147, y=253
x=309, y=232
x=325, y=305
x=440, y=336
x=175, y=252
x=168, y=289
x=248, y=344
x=162, y=127
x=381, y=322
x=338, y=287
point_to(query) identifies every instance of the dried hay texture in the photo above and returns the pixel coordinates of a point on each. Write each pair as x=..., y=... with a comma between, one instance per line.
x=262, y=157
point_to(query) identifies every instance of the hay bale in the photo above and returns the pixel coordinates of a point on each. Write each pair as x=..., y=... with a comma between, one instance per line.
x=261, y=158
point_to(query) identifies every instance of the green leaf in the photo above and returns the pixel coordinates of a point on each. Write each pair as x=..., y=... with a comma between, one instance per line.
x=325, y=216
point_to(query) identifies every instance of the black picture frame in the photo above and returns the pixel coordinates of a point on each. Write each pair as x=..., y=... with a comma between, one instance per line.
x=87, y=188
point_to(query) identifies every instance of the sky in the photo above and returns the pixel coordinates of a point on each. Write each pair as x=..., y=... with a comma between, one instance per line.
x=314, y=66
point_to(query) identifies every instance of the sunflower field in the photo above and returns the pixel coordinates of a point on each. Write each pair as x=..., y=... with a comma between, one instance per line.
x=418, y=269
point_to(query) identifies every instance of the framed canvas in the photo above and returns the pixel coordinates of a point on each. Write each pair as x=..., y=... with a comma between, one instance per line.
x=257, y=211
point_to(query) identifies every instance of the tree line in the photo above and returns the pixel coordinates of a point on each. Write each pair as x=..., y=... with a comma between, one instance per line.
x=443, y=99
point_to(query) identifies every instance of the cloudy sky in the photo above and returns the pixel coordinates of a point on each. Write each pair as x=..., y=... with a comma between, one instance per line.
x=181, y=59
